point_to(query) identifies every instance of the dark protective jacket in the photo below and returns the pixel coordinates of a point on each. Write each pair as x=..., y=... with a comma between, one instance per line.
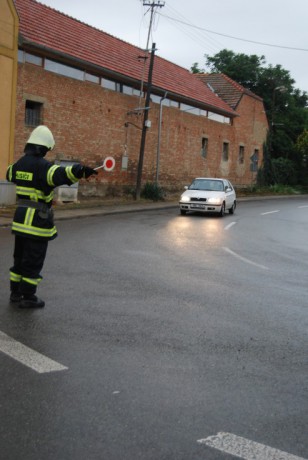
x=35, y=180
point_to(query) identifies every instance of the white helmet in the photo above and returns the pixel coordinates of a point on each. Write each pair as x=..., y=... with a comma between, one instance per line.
x=42, y=136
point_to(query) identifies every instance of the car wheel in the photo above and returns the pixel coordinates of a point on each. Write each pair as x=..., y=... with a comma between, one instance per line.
x=222, y=210
x=232, y=209
x=183, y=213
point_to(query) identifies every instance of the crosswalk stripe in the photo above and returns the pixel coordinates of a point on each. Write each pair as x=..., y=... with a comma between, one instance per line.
x=244, y=448
x=27, y=356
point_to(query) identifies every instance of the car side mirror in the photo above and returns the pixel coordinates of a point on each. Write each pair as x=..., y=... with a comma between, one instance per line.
x=186, y=187
x=226, y=188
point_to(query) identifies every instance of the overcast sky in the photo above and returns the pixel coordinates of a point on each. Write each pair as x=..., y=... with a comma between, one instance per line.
x=274, y=22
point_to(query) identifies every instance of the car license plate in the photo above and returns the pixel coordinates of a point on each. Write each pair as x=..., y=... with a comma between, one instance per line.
x=197, y=206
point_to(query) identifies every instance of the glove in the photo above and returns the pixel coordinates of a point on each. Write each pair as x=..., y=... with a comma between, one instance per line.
x=87, y=171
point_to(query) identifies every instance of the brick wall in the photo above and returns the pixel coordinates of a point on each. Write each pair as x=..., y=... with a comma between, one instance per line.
x=88, y=123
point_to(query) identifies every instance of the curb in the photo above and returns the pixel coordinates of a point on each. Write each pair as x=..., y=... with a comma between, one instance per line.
x=79, y=213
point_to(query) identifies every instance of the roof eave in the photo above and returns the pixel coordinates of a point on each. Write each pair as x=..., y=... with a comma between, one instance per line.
x=69, y=59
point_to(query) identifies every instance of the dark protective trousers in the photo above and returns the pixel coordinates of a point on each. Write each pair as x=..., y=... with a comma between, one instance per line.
x=29, y=257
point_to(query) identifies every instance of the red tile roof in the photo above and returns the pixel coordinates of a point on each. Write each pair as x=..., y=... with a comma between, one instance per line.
x=226, y=88
x=44, y=27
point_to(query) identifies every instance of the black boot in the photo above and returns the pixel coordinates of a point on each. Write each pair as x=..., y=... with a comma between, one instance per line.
x=16, y=297
x=31, y=302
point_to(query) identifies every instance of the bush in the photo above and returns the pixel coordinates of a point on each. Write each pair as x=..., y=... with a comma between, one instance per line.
x=152, y=191
x=278, y=171
x=282, y=190
x=284, y=171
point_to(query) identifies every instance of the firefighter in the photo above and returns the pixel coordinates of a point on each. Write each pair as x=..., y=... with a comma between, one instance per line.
x=33, y=224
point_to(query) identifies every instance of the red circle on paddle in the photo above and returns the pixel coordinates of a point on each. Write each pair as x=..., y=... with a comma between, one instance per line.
x=109, y=163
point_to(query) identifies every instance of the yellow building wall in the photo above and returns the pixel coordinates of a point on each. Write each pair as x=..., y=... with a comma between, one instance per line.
x=8, y=79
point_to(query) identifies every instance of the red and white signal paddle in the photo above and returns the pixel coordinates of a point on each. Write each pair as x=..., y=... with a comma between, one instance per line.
x=108, y=165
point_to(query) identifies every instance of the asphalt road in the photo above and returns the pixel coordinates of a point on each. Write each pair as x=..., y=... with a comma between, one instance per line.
x=163, y=331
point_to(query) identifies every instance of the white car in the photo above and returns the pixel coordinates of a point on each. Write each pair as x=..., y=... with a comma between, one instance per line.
x=206, y=194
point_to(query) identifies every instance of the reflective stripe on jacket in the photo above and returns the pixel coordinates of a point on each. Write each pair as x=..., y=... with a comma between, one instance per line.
x=35, y=180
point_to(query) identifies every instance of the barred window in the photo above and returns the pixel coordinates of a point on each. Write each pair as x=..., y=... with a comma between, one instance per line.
x=241, y=154
x=225, y=151
x=254, y=160
x=33, y=113
x=204, y=147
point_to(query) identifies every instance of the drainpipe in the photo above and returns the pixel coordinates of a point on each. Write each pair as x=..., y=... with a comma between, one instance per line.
x=159, y=132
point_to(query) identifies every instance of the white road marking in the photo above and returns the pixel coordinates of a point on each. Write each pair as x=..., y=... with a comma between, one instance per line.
x=244, y=448
x=230, y=225
x=243, y=259
x=306, y=206
x=269, y=212
x=27, y=356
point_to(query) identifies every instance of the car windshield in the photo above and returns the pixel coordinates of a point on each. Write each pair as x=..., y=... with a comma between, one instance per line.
x=207, y=184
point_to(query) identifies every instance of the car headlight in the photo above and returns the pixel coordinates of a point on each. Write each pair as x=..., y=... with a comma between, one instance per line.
x=213, y=200
x=185, y=199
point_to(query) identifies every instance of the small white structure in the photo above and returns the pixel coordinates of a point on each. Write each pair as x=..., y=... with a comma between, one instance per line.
x=7, y=193
x=66, y=193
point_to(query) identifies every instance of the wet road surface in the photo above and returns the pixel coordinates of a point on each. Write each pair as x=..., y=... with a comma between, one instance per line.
x=166, y=331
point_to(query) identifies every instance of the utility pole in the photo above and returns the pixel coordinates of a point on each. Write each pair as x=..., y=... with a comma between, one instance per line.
x=152, y=4
x=145, y=124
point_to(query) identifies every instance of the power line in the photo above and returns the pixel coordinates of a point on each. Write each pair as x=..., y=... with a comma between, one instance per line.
x=197, y=33
x=234, y=38
x=200, y=41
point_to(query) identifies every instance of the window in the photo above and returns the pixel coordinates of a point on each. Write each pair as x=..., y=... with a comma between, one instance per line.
x=190, y=109
x=127, y=90
x=195, y=111
x=33, y=114
x=174, y=104
x=155, y=98
x=136, y=92
x=27, y=57
x=254, y=160
x=130, y=90
x=33, y=59
x=63, y=69
x=228, y=185
x=20, y=56
x=92, y=78
x=204, y=147
x=241, y=154
x=160, y=100
x=225, y=151
x=216, y=117
x=110, y=84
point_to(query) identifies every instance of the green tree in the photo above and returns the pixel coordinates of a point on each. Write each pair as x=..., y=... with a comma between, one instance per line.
x=302, y=149
x=195, y=68
x=285, y=106
x=302, y=143
x=242, y=68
